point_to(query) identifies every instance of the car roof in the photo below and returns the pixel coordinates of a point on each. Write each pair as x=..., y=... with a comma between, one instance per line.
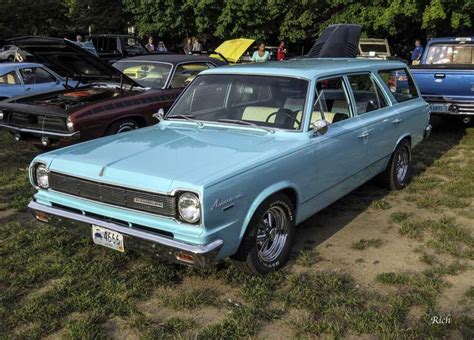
x=308, y=68
x=174, y=58
x=450, y=39
x=19, y=65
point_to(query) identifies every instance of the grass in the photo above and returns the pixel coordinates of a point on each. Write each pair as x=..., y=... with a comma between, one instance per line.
x=364, y=244
x=56, y=285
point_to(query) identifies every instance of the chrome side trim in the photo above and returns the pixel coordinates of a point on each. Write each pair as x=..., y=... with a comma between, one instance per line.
x=42, y=133
x=160, y=240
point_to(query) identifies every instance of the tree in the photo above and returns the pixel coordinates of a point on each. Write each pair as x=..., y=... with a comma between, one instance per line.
x=104, y=16
x=25, y=17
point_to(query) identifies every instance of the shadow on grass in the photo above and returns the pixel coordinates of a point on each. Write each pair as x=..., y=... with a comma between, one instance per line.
x=447, y=133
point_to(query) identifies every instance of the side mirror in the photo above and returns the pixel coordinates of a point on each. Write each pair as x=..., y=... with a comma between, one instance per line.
x=320, y=127
x=159, y=115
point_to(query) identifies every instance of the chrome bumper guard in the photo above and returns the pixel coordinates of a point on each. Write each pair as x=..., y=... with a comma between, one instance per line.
x=162, y=247
x=427, y=131
x=41, y=133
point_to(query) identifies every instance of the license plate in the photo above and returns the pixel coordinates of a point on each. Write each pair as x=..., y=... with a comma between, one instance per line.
x=107, y=238
x=438, y=108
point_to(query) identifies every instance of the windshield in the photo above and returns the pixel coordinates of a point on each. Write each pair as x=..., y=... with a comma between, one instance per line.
x=266, y=101
x=147, y=74
x=450, y=54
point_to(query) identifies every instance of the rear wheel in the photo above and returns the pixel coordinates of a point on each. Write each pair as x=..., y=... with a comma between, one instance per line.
x=123, y=125
x=267, y=243
x=397, y=174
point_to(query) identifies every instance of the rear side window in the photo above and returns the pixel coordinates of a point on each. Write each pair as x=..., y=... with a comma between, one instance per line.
x=9, y=79
x=367, y=94
x=400, y=84
x=105, y=44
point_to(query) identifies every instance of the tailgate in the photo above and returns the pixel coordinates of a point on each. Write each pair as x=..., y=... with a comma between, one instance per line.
x=455, y=83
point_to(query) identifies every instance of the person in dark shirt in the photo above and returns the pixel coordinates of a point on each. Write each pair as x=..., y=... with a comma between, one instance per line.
x=416, y=53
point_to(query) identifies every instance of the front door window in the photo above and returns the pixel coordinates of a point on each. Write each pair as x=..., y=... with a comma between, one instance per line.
x=333, y=104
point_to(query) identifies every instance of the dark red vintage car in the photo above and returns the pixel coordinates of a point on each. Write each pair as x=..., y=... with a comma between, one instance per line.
x=109, y=99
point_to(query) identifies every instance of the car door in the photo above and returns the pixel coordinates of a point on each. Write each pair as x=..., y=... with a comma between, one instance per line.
x=38, y=80
x=373, y=107
x=340, y=153
x=406, y=100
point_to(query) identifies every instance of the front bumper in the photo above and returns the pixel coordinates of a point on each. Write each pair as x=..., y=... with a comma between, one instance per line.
x=41, y=133
x=160, y=246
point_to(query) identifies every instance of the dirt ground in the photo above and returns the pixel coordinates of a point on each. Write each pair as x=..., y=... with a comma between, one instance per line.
x=374, y=264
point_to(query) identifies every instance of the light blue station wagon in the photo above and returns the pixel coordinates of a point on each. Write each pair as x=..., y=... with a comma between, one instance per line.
x=244, y=155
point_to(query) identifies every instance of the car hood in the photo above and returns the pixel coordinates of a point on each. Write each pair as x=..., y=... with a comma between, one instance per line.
x=70, y=60
x=163, y=158
x=233, y=49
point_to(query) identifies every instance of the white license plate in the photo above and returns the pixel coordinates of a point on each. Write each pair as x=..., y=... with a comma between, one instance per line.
x=107, y=238
x=438, y=108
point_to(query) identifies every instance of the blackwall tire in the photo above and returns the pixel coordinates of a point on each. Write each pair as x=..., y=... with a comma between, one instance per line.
x=398, y=172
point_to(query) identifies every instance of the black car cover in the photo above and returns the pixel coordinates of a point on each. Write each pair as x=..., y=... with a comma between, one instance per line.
x=337, y=41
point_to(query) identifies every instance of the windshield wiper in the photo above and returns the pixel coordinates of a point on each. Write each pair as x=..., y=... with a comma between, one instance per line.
x=187, y=117
x=244, y=122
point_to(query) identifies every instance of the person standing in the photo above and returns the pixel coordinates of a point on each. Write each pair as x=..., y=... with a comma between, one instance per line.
x=188, y=46
x=416, y=53
x=197, y=47
x=149, y=46
x=281, y=54
x=261, y=55
x=161, y=47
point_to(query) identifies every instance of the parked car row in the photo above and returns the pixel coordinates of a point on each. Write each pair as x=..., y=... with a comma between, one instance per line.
x=94, y=98
x=229, y=168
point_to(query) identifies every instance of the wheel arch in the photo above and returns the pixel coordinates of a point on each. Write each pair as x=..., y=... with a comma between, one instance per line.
x=287, y=188
x=402, y=138
x=139, y=119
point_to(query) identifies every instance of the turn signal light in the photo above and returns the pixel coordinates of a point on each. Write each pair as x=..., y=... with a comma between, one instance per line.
x=41, y=216
x=185, y=257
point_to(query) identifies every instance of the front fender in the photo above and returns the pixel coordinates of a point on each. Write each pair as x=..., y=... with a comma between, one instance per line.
x=269, y=191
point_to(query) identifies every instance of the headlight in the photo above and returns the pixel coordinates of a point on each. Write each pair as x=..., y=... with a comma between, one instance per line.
x=69, y=124
x=2, y=115
x=41, y=176
x=189, y=207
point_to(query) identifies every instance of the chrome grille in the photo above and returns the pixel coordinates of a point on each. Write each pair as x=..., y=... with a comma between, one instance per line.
x=114, y=195
x=32, y=121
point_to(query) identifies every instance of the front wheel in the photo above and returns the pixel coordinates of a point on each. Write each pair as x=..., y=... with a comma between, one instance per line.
x=122, y=126
x=397, y=174
x=267, y=243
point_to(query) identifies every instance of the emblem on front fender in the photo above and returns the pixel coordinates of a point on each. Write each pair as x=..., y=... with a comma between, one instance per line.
x=226, y=203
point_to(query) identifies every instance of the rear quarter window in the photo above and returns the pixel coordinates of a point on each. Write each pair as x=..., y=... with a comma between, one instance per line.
x=400, y=84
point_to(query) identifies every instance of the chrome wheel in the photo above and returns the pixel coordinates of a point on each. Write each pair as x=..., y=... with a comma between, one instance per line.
x=125, y=128
x=401, y=165
x=272, y=234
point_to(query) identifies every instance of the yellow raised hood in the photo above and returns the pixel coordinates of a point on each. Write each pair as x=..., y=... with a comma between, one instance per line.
x=233, y=49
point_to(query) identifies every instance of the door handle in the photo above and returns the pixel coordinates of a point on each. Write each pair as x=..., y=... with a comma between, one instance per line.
x=364, y=135
x=397, y=121
x=440, y=75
